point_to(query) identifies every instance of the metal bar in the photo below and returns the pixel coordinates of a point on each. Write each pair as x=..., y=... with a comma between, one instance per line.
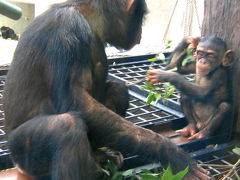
x=10, y=10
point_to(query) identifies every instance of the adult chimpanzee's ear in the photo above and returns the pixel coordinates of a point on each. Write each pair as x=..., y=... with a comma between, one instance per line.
x=130, y=5
x=228, y=58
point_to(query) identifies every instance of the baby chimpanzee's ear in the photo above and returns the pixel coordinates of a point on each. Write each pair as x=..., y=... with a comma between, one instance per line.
x=228, y=58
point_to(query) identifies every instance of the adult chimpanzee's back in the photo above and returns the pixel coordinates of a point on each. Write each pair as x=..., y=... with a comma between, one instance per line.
x=58, y=104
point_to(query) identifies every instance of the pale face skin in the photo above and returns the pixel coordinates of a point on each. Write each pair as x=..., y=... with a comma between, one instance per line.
x=208, y=57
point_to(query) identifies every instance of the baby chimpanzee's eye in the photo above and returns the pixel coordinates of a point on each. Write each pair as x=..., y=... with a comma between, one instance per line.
x=211, y=56
x=200, y=53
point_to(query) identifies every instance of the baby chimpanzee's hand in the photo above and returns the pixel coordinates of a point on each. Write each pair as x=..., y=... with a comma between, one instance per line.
x=158, y=75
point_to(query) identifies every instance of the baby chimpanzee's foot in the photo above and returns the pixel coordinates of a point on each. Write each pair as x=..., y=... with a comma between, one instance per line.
x=189, y=130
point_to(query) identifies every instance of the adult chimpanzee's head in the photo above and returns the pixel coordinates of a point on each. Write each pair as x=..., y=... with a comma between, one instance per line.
x=123, y=26
x=211, y=53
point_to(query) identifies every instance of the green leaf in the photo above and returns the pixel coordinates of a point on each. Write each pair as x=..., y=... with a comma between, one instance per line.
x=166, y=85
x=169, y=41
x=116, y=176
x=181, y=174
x=143, y=88
x=163, y=60
x=157, y=96
x=152, y=59
x=167, y=175
x=148, y=86
x=169, y=90
x=189, y=52
x=111, y=167
x=128, y=172
x=187, y=60
x=150, y=98
x=156, y=170
x=189, y=57
x=106, y=172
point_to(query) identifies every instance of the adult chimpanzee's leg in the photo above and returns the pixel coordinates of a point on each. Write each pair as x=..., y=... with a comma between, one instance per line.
x=117, y=97
x=53, y=143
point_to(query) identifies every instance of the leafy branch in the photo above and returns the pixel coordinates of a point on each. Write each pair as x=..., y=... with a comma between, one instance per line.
x=189, y=57
x=155, y=95
x=111, y=173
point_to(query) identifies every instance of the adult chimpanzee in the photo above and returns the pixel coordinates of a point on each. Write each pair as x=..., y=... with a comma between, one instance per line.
x=57, y=101
x=207, y=102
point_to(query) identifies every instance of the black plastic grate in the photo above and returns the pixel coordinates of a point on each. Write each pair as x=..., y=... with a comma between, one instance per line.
x=142, y=114
x=4, y=153
x=220, y=163
x=2, y=132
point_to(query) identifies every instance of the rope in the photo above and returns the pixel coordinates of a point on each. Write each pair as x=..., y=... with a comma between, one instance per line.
x=185, y=20
x=198, y=19
x=169, y=21
x=188, y=18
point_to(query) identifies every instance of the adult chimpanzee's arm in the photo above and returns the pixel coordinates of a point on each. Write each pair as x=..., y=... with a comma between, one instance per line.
x=106, y=128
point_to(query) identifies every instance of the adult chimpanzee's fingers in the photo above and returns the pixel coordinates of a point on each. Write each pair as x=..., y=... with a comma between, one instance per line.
x=190, y=177
x=119, y=160
x=203, y=170
x=198, y=174
x=201, y=174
